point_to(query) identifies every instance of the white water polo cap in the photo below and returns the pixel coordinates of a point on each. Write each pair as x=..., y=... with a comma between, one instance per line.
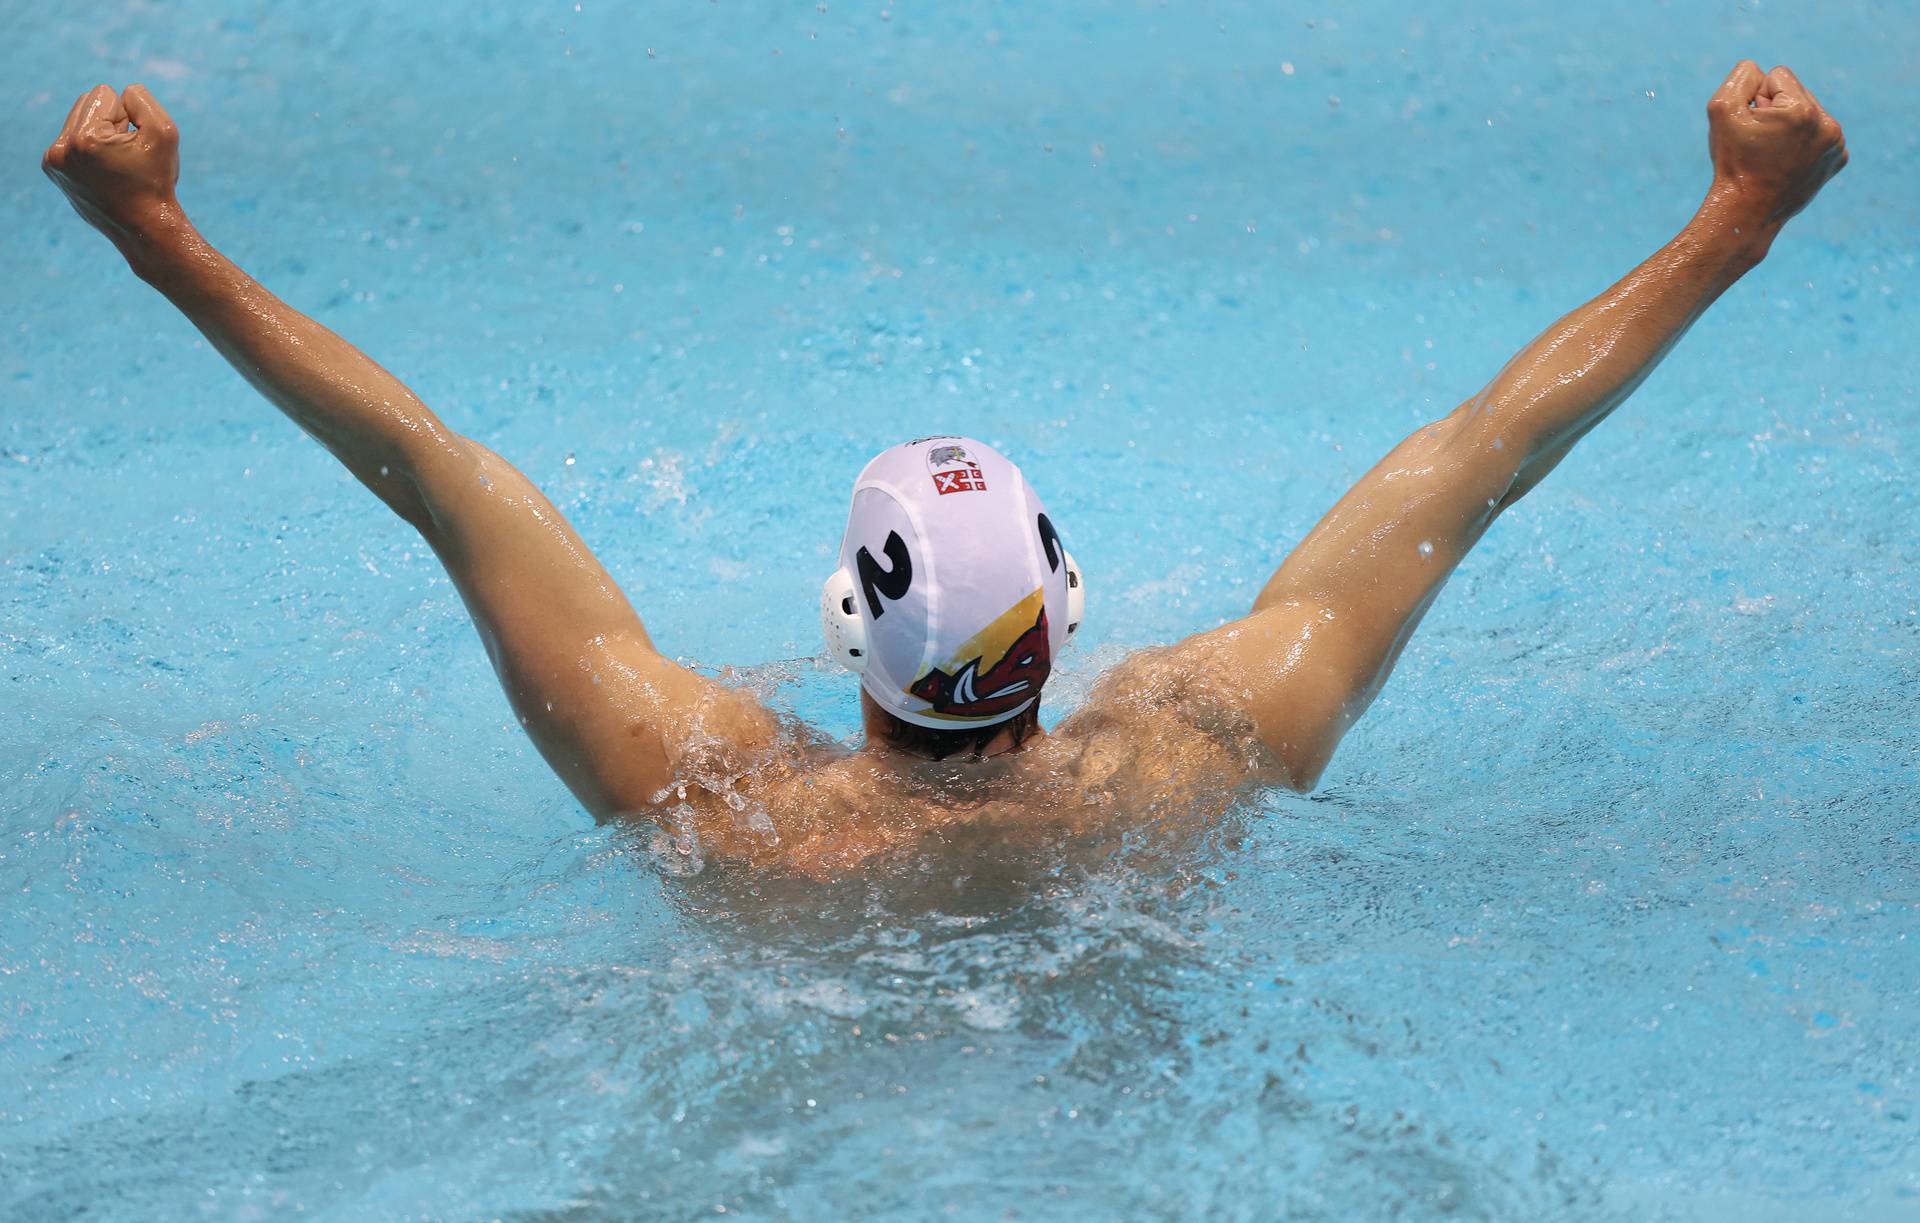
x=954, y=592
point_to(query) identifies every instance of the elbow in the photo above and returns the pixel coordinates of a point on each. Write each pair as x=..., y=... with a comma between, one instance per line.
x=400, y=492
x=1492, y=450
x=1481, y=429
x=419, y=474
x=396, y=480
x=412, y=509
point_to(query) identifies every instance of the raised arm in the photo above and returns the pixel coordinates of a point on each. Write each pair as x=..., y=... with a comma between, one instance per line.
x=1330, y=624
x=605, y=709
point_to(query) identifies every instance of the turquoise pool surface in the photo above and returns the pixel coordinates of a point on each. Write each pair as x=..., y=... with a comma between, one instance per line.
x=1606, y=911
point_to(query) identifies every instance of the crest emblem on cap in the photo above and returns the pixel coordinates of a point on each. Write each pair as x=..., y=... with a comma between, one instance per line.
x=954, y=471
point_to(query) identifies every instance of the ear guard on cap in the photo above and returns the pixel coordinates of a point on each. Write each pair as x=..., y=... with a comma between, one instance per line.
x=1076, y=596
x=842, y=622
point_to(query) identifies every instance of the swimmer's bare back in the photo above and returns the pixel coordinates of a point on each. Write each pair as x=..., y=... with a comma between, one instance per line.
x=1170, y=733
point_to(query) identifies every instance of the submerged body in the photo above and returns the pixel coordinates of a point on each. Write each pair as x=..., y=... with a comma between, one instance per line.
x=1172, y=734
x=1149, y=744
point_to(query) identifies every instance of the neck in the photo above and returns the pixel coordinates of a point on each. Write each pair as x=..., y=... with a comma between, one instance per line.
x=888, y=733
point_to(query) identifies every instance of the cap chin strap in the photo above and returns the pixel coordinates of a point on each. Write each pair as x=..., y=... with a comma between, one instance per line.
x=845, y=625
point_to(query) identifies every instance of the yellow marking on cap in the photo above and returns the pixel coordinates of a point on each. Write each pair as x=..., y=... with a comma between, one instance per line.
x=990, y=644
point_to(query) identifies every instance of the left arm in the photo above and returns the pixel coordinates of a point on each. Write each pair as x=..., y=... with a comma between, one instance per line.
x=611, y=715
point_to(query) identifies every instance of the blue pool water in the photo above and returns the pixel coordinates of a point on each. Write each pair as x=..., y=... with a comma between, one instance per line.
x=1606, y=911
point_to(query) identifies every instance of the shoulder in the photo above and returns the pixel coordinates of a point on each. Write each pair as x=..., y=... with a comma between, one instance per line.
x=1199, y=681
x=648, y=727
x=1166, y=716
x=1263, y=686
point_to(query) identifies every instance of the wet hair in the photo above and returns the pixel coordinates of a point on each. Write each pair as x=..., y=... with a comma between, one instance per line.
x=941, y=744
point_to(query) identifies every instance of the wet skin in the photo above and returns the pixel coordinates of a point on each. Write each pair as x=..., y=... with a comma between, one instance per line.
x=1172, y=734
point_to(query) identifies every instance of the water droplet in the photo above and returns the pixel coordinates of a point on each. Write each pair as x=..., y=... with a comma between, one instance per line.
x=1426, y=549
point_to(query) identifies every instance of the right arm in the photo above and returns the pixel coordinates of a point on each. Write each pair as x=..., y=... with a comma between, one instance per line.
x=609, y=713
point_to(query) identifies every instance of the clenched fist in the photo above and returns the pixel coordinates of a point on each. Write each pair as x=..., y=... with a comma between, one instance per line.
x=117, y=158
x=1773, y=146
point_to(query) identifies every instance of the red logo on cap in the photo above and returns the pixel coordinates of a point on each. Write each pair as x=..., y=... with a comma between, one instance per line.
x=1007, y=683
x=959, y=480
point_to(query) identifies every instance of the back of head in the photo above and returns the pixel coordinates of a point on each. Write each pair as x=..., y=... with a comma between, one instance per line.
x=954, y=592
